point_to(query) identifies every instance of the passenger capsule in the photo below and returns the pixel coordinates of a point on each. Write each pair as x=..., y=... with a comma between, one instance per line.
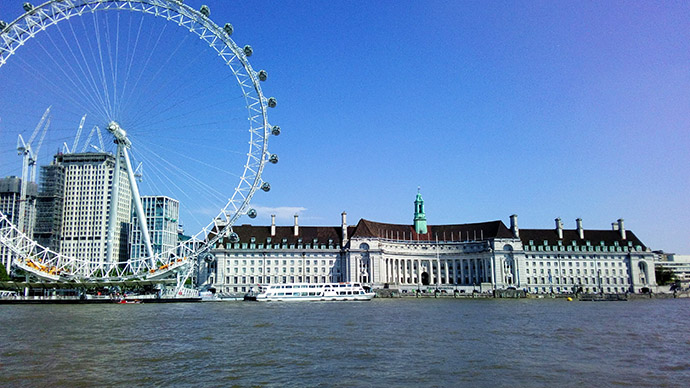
x=266, y=187
x=251, y=213
x=273, y=158
x=28, y=7
x=263, y=75
x=228, y=29
x=248, y=50
x=272, y=102
x=275, y=130
x=233, y=237
x=205, y=10
x=2, y=25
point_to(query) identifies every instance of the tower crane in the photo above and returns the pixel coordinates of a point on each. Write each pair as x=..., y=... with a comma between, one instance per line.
x=29, y=160
x=76, y=138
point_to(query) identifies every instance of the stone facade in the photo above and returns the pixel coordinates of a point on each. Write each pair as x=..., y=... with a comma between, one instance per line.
x=464, y=257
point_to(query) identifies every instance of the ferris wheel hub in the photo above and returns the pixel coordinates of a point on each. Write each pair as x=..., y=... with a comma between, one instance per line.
x=119, y=133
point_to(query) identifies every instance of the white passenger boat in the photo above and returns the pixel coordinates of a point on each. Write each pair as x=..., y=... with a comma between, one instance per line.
x=313, y=292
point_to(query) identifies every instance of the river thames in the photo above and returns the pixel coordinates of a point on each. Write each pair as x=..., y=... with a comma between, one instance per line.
x=385, y=342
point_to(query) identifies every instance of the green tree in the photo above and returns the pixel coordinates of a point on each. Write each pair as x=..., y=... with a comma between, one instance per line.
x=664, y=276
x=3, y=273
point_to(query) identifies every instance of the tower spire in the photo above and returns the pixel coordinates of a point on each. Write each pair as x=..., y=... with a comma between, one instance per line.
x=419, y=216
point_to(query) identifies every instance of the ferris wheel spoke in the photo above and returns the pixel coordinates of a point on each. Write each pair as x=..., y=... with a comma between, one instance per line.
x=113, y=64
x=100, y=104
x=54, y=86
x=72, y=76
x=146, y=64
x=123, y=93
x=104, y=82
x=174, y=170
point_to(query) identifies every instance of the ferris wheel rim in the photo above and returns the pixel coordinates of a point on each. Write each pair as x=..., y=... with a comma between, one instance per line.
x=39, y=18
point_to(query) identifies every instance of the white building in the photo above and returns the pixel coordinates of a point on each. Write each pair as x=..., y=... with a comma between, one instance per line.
x=678, y=264
x=162, y=215
x=88, y=185
x=464, y=257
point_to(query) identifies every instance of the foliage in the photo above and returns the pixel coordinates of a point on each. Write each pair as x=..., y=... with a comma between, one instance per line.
x=3, y=273
x=664, y=276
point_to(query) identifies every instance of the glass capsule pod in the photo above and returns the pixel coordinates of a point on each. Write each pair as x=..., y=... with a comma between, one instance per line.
x=272, y=102
x=234, y=237
x=228, y=29
x=275, y=130
x=273, y=158
x=248, y=51
x=263, y=75
x=251, y=213
x=205, y=10
x=266, y=187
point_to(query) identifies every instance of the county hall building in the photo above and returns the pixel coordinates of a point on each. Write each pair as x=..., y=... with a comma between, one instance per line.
x=465, y=257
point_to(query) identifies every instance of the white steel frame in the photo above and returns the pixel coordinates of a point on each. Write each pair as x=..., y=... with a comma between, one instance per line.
x=48, y=264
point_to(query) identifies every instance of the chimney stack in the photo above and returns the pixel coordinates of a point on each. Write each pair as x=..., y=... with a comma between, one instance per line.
x=621, y=228
x=614, y=226
x=514, y=226
x=273, y=225
x=296, y=231
x=559, y=228
x=580, y=231
x=343, y=226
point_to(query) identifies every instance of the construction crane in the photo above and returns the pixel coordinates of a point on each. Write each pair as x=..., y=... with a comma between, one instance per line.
x=29, y=160
x=96, y=130
x=76, y=138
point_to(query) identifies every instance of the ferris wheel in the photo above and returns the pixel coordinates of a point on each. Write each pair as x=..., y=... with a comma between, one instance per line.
x=155, y=90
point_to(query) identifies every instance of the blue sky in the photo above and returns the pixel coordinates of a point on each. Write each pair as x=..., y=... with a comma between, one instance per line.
x=543, y=109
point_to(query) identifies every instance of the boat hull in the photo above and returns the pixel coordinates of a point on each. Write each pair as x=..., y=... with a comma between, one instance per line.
x=304, y=292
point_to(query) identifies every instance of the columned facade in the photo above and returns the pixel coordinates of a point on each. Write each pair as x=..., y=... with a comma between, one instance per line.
x=478, y=257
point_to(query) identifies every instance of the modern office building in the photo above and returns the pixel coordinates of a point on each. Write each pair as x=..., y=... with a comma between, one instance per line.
x=87, y=180
x=465, y=257
x=10, y=206
x=162, y=215
x=678, y=264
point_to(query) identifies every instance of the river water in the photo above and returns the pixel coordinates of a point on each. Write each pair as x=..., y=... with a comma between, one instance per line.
x=385, y=342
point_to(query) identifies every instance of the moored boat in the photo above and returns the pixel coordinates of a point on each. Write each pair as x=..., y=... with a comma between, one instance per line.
x=314, y=292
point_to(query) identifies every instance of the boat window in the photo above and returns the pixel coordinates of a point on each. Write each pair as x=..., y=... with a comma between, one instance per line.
x=312, y=293
x=281, y=293
x=288, y=293
x=342, y=292
x=356, y=285
x=288, y=286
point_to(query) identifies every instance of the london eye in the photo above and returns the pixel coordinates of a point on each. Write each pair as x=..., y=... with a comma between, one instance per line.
x=164, y=97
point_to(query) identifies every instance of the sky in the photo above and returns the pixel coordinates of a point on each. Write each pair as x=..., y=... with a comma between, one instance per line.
x=540, y=109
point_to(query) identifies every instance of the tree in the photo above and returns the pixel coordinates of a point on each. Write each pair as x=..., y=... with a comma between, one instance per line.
x=3, y=273
x=664, y=276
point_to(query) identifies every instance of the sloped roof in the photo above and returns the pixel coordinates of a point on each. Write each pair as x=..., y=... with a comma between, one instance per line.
x=595, y=237
x=458, y=232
